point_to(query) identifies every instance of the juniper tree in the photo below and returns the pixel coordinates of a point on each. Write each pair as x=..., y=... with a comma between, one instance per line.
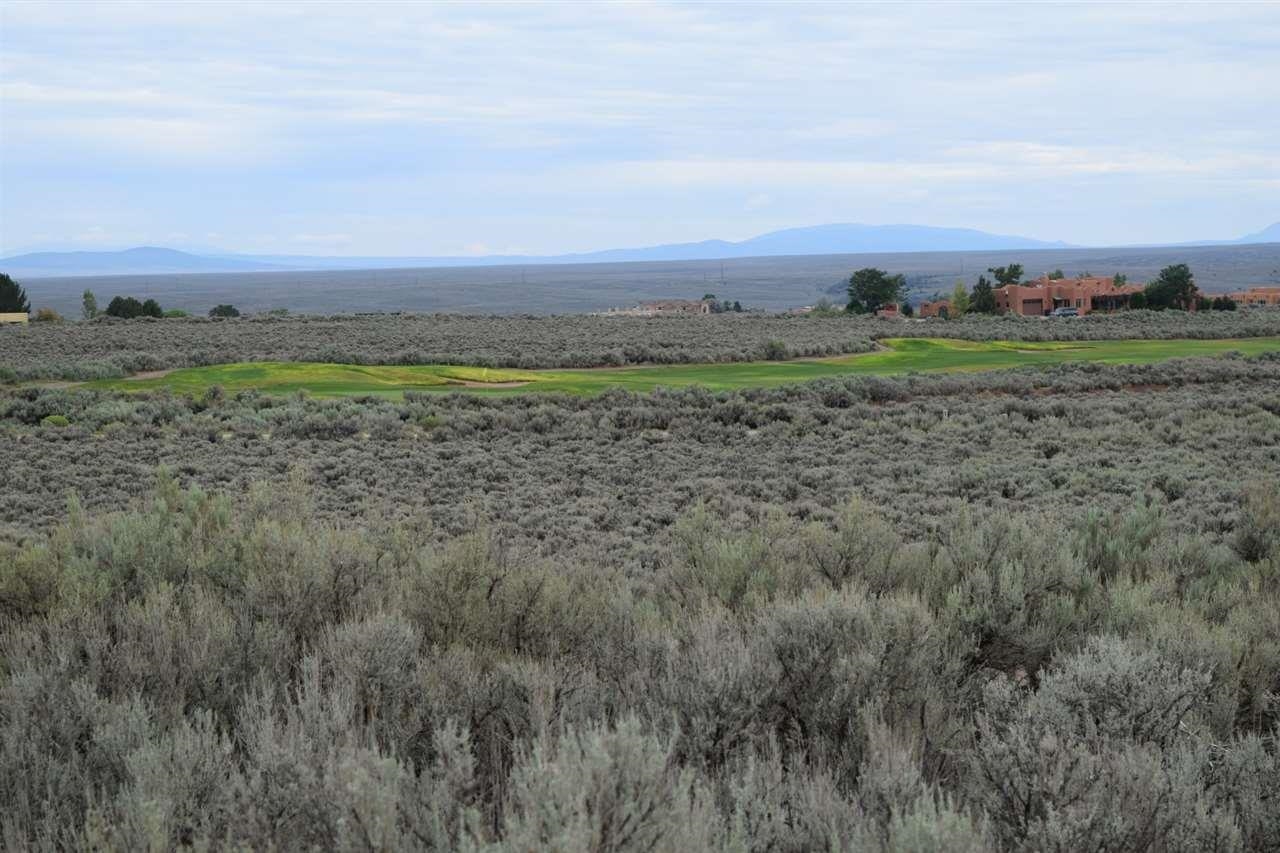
x=13, y=299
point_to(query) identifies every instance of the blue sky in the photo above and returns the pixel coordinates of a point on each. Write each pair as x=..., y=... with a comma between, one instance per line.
x=481, y=128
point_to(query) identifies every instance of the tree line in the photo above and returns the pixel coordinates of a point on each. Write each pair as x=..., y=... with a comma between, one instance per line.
x=871, y=290
x=14, y=300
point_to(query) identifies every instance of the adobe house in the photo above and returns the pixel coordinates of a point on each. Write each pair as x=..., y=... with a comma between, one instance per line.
x=19, y=317
x=1257, y=296
x=1039, y=297
x=889, y=312
x=939, y=308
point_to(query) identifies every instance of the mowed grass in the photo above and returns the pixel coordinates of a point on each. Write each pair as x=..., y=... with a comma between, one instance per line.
x=899, y=356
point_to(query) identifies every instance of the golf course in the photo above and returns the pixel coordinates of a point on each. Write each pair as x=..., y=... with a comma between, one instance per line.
x=897, y=356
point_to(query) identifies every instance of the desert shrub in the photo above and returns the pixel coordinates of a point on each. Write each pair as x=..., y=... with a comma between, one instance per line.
x=1258, y=530
x=738, y=572
x=477, y=593
x=1015, y=597
x=59, y=742
x=1109, y=544
x=607, y=790
x=934, y=822
x=774, y=350
x=1244, y=777
x=374, y=661
x=706, y=687
x=862, y=547
x=1097, y=756
x=825, y=657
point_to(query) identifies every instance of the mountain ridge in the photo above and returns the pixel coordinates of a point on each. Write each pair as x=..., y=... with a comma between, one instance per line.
x=827, y=239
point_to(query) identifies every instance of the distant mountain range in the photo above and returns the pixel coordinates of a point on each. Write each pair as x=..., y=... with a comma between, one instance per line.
x=837, y=239
x=143, y=259
x=1270, y=234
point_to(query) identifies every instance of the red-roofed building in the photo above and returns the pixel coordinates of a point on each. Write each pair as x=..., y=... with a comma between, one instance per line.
x=938, y=308
x=1038, y=298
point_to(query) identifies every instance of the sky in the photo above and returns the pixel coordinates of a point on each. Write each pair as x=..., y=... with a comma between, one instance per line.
x=455, y=129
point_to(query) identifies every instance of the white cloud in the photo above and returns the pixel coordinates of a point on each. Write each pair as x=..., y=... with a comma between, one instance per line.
x=311, y=239
x=583, y=111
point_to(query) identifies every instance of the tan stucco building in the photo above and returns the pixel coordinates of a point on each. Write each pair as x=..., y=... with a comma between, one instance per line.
x=1257, y=296
x=1038, y=298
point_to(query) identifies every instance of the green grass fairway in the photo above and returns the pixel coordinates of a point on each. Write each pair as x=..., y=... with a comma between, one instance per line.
x=902, y=355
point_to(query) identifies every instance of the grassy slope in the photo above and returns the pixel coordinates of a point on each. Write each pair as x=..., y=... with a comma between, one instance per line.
x=903, y=356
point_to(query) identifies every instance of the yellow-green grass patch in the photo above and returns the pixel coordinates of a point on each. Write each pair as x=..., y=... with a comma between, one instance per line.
x=898, y=356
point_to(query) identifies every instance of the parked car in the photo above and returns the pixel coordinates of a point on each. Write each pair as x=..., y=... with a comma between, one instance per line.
x=1065, y=312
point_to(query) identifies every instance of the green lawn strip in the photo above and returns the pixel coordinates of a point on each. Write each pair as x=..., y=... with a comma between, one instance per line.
x=901, y=355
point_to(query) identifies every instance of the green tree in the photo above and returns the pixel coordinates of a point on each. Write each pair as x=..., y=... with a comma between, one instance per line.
x=907, y=310
x=1174, y=287
x=1057, y=275
x=1011, y=274
x=13, y=299
x=224, y=311
x=1120, y=279
x=871, y=289
x=151, y=308
x=737, y=307
x=983, y=300
x=1138, y=300
x=959, y=300
x=124, y=307
x=88, y=305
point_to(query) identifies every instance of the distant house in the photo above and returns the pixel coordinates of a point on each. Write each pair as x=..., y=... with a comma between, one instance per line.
x=889, y=312
x=665, y=308
x=938, y=308
x=1039, y=297
x=19, y=317
x=1256, y=296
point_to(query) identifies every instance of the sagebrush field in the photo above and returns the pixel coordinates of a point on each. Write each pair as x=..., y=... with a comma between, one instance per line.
x=1032, y=608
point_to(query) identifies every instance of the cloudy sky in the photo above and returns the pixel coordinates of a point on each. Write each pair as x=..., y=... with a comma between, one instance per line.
x=411, y=128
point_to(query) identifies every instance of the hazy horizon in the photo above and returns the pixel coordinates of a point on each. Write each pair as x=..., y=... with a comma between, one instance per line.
x=438, y=130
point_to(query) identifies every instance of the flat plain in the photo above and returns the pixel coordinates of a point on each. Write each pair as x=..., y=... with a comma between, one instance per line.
x=773, y=283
